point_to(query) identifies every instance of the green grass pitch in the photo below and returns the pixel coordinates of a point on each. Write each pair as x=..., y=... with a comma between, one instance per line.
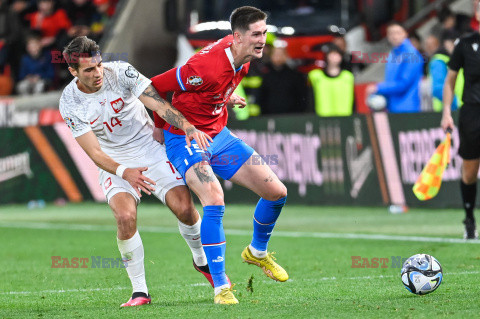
x=314, y=244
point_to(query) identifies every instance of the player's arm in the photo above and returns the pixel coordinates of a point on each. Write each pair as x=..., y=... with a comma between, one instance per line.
x=151, y=99
x=179, y=80
x=133, y=176
x=164, y=83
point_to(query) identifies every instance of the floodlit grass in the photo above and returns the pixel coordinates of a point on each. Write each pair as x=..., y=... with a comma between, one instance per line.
x=314, y=244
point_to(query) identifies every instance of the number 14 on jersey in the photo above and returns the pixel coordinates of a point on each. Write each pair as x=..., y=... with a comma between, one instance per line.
x=114, y=121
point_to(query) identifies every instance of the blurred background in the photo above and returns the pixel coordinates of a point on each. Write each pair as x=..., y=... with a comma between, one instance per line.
x=310, y=112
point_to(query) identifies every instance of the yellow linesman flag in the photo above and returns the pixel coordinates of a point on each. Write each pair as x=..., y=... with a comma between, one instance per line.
x=429, y=181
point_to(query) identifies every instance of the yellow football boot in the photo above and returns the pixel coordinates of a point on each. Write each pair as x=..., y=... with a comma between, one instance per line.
x=268, y=265
x=226, y=297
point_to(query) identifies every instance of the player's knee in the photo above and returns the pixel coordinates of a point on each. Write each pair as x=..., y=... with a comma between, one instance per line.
x=283, y=192
x=216, y=199
x=187, y=214
x=212, y=195
x=126, y=218
x=277, y=192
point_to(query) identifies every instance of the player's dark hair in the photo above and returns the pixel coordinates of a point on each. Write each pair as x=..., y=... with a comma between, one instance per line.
x=242, y=17
x=80, y=47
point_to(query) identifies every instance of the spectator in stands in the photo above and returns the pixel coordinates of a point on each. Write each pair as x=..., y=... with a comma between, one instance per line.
x=403, y=72
x=11, y=37
x=341, y=43
x=106, y=6
x=450, y=20
x=22, y=8
x=36, y=70
x=333, y=87
x=49, y=21
x=474, y=23
x=437, y=70
x=431, y=45
x=283, y=88
x=101, y=17
x=81, y=12
x=415, y=41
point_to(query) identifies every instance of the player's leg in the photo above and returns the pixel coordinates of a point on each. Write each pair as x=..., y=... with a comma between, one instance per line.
x=203, y=182
x=257, y=176
x=124, y=207
x=468, y=188
x=180, y=202
x=239, y=163
x=192, y=164
x=170, y=188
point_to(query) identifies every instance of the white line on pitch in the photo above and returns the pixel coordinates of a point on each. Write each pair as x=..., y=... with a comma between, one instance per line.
x=238, y=232
x=205, y=284
x=381, y=276
x=61, y=291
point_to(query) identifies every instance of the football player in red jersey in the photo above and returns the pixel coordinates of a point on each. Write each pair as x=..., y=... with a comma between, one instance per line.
x=203, y=88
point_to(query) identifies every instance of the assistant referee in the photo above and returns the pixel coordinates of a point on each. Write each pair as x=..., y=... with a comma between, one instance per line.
x=466, y=55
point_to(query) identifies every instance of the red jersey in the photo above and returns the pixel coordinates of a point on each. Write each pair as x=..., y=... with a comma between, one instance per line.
x=202, y=87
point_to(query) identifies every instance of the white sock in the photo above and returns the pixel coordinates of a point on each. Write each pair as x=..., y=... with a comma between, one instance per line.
x=191, y=234
x=133, y=255
x=217, y=290
x=257, y=253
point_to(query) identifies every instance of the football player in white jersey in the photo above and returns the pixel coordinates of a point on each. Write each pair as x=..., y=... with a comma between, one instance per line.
x=104, y=108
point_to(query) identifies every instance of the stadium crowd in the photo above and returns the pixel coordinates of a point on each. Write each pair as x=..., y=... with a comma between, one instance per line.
x=31, y=30
x=416, y=69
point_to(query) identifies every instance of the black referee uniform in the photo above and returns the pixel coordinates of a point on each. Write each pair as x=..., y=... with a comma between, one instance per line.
x=466, y=55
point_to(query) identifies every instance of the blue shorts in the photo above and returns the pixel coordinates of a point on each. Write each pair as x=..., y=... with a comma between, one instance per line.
x=225, y=155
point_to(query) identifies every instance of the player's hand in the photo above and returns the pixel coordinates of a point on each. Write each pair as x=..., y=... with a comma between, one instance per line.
x=201, y=138
x=447, y=122
x=158, y=135
x=371, y=89
x=141, y=183
x=235, y=99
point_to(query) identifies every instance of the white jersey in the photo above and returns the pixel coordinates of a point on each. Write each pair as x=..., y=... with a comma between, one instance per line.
x=114, y=113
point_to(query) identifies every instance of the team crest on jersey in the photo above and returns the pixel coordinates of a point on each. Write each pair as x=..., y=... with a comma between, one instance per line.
x=131, y=72
x=475, y=47
x=195, y=80
x=69, y=122
x=108, y=183
x=117, y=105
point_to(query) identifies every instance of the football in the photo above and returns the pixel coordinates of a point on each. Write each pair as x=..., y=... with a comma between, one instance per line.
x=422, y=274
x=376, y=102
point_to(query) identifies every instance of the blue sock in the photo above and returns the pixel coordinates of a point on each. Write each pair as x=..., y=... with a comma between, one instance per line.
x=213, y=240
x=264, y=218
